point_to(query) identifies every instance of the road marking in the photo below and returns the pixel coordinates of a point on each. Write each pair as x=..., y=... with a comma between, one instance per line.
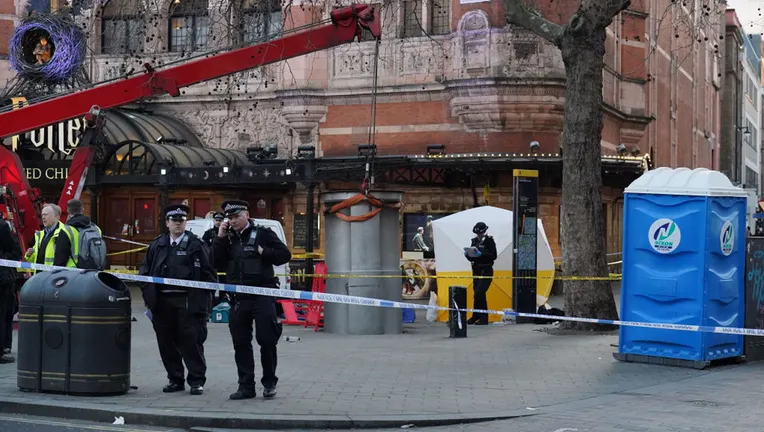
x=565, y=429
x=74, y=425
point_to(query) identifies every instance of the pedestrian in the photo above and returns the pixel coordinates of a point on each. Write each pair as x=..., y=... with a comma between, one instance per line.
x=89, y=248
x=9, y=250
x=208, y=237
x=249, y=252
x=211, y=233
x=51, y=247
x=482, y=254
x=179, y=315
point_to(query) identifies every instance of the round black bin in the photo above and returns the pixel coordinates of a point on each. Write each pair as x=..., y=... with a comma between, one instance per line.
x=74, y=333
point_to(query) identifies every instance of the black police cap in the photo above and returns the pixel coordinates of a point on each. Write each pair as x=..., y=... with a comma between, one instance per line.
x=176, y=212
x=218, y=215
x=233, y=207
x=480, y=227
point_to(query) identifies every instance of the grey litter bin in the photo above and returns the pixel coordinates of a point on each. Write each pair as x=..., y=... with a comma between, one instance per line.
x=74, y=333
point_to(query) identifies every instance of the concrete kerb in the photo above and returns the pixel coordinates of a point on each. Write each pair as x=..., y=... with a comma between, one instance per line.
x=198, y=421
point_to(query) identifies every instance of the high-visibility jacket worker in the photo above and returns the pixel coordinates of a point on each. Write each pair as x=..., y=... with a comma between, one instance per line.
x=57, y=244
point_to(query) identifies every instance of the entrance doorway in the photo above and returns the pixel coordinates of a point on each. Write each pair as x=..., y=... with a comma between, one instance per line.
x=132, y=216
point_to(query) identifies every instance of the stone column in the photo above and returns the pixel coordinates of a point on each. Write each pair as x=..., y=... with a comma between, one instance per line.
x=303, y=111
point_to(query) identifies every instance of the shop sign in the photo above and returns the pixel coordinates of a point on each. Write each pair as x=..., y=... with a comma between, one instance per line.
x=50, y=173
x=63, y=137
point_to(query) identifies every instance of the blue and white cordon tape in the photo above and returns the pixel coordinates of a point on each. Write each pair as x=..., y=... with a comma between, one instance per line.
x=367, y=301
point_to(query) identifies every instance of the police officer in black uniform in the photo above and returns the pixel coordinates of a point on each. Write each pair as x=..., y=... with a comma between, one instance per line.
x=208, y=237
x=482, y=257
x=248, y=252
x=210, y=234
x=179, y=314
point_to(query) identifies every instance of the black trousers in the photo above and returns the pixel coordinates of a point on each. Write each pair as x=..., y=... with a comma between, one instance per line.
x=180, y=336
x=7, y=310
x=262, y=311
x=480, y=288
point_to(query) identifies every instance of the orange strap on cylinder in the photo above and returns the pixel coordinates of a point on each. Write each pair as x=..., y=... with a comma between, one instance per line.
x=355, y=200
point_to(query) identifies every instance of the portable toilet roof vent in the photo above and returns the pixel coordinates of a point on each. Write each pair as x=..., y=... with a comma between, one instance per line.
x=684, y=181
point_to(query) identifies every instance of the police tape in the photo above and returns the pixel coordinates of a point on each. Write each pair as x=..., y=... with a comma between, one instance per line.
x=611, y=277
x=125, y=241
x=373, y=302
x=128, y=251
x=145, y=246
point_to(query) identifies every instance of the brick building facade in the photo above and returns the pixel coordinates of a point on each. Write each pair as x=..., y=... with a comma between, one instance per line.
x=8, y=18
x=449, y=73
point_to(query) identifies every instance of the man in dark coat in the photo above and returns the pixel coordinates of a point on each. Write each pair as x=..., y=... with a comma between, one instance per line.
x=248, y=252
x=482, y=255
x=179, y=314
x=10, y=250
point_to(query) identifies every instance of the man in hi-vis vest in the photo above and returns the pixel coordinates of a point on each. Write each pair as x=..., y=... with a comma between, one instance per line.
x=57, y=243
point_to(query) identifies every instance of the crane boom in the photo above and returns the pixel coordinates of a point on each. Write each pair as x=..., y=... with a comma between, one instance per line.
x=347, y=23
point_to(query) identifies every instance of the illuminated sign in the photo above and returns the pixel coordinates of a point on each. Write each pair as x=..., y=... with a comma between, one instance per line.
x=47, y=173
x=60, y=138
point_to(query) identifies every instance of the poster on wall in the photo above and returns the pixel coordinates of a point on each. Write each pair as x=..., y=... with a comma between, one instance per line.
x=417, y=233
x=417, y=278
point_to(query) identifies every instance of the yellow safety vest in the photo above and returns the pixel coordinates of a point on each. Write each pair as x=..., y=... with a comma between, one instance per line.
x=50, y=249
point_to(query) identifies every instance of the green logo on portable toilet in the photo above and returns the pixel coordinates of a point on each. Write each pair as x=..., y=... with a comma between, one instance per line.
x=664, y=236
x=727, y=238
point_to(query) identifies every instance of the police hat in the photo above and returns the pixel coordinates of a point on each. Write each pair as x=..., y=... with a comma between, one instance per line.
x=480, y=227
x=176, y=212
x=218, y=216
x=233, y=207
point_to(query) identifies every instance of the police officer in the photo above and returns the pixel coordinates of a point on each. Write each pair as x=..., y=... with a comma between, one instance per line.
x=179, y=314
x=249, y=252
x=208, y=237
x=211, y=233
x=482, y=254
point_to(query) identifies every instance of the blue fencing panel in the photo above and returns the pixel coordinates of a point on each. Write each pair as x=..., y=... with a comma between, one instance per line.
x=683, y=263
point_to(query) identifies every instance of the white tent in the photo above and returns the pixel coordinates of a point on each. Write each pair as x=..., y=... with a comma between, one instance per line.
x=453, y=233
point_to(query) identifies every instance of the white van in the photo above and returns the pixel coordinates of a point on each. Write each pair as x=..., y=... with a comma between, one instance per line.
x=199, y=226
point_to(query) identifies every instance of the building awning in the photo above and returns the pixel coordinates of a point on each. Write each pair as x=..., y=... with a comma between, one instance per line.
x=135, y=158
x=127, y=125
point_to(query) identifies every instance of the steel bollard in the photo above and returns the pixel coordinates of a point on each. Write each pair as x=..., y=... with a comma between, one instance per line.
x=457, y=319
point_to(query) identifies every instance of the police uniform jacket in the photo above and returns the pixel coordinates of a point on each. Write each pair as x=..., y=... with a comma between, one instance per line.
x=189, y=260
x=487, y=248
x=209, y=236
x=243, y=264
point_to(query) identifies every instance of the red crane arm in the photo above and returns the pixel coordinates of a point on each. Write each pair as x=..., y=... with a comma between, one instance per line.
x=347, y=23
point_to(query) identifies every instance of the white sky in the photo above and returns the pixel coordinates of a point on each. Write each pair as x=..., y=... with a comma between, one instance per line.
x=750, y=13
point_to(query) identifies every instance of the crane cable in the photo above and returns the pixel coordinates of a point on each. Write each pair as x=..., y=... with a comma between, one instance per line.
x=368, y=180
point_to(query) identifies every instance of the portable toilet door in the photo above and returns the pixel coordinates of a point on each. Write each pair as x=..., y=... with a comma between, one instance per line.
x=683, y=263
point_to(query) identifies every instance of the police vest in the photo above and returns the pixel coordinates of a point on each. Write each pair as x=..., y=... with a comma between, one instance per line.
x=50, y=248
x=176, y=266
x=245, y=265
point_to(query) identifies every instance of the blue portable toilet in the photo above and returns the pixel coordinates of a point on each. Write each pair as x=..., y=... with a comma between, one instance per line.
x=684, y=237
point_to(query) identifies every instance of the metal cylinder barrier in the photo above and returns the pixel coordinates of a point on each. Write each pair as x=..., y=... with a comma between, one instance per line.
x=370, y=247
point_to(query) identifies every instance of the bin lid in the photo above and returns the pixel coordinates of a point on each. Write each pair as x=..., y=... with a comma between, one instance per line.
x=684, y=181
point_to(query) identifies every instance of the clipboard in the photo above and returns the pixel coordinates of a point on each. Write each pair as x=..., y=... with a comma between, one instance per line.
x=471, y=252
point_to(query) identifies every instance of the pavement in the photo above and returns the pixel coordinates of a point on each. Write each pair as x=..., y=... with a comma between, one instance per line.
x=421, y=377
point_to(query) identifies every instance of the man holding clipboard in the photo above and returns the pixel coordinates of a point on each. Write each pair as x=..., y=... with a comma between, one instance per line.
x=482, y=254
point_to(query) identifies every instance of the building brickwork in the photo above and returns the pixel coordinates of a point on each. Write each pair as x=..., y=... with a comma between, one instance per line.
x=478, y=85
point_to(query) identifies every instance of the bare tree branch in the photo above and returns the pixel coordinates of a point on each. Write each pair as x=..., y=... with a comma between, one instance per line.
x=518, y=14
x=615, y=7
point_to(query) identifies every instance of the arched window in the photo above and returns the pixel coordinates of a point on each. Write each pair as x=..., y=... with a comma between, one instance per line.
x=261, y=20
x=122, y=29
x=189, y=25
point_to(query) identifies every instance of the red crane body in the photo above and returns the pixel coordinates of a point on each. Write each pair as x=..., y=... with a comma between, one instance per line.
x=346, y=25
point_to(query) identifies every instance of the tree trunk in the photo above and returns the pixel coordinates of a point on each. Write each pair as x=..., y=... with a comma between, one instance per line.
x=583, y=246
